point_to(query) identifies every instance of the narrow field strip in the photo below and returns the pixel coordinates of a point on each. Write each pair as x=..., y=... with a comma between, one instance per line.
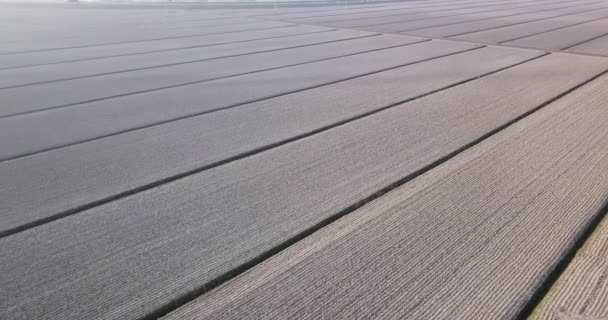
x=132, y=162
x=462, y=16
x=132, y=34
x=149, y=25
x=264, y=13
x=597, y=46
x=372, y=22
x=522, y=30
x=346, y=7
x=290, y=16
x=20, y=60
x=71, y=125
x=566, y=37
x=256, y=12
x=50, y=20
x=227, y=217
x=278, y=9
x=416, y=25
x=89, y=89
x=471, y=239
x=51, y=44
x=587, y=39
x=463, y=27
x=364, y=18
x=500, y=25
x=37, y=15
x=102, y=29
x=581, y=291
x=345, y=12
x=76, y=70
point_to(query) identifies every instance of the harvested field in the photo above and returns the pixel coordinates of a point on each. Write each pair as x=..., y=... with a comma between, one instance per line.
x=428, y=159
x=445, y=235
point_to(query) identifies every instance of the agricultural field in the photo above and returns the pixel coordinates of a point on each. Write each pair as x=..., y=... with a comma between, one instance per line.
x=424, y=159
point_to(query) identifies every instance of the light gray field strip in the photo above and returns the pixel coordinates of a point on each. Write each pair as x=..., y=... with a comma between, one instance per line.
x=547, y=9
x=581, y=292
x=101, y=28
x=415, y=17
x=261, y=13
x=43, y=15
x=343, y=7
x=53, y=184
x=101, y=118
x=278, y=9
x=566, y=37
x=51, y=26
x=256, y=12
x=404, y=14
x=114, y=50
x=424, y=19
x=394, y=16
x=504, y=34
x=67, y=71
x=97, y=19
x=60, y=28
x=346, y=11
x=54, y=94
x=290, y=16
x=468, y=27
x=114, y=38
x=155, y=23
x=596, y=46
x=128, y=257
x=463, y=28
x=134, y=33
x=56, y=19
x=471, y=239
